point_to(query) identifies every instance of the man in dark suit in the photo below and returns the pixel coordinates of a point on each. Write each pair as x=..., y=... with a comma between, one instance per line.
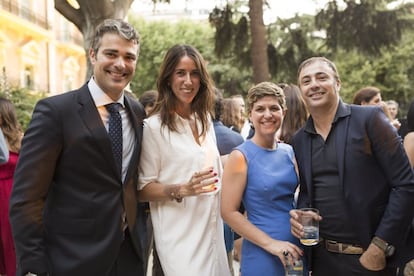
x=353, y=168
x=73, y=210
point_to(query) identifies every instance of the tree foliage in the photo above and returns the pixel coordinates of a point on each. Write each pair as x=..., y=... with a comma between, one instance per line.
x=366, y=26
x=24, y=101
x=158, y=36
x=242, y=37
x=370, y=43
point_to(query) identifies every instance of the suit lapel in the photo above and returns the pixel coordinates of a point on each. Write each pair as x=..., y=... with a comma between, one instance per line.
x=136, y=122
x=341, y=141
x=90, y=115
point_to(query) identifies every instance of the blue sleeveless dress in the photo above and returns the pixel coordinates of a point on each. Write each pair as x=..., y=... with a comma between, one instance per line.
x=268, y=198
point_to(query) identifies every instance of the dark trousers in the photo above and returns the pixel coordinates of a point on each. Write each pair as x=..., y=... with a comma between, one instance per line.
x=325, y=263
x=128, y=263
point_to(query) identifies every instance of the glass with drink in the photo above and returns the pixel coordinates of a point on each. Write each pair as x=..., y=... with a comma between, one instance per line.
x=308, y=218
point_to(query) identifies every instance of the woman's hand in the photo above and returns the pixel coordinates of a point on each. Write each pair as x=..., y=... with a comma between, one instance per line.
x=201, y=182
x=286, y=251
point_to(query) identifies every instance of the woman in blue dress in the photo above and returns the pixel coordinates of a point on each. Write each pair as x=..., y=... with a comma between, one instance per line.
x=262, y=173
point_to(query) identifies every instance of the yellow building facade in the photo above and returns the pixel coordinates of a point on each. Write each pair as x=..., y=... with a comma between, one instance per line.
x=39, y=48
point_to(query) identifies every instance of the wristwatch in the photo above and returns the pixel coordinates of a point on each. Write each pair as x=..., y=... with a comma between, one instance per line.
x=384, y=246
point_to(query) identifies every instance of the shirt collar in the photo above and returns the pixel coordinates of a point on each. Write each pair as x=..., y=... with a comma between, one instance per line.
x=100, y=97
x=342, y=111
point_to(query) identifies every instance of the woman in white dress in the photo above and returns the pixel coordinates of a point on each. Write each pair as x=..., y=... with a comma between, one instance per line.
x=180, y=169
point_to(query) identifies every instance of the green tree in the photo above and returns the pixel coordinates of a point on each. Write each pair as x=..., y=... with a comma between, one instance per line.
x=158, y=36
x=242, y=37
x=366, y=25
x=24, y=101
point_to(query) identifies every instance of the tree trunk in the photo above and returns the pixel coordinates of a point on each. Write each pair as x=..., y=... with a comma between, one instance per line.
x=260, y=64
x=89, y=15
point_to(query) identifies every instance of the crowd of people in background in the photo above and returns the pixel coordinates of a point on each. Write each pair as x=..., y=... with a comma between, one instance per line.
x=198, y=180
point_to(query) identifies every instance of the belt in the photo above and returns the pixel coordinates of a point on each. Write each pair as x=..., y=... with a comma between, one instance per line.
x=342, y=248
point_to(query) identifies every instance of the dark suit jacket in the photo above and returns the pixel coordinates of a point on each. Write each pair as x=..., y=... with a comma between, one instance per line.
x=227, y=139
x=375, y=175
x=67, y=199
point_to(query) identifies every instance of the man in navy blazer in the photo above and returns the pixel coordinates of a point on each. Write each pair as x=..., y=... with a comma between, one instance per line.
x=72, y=211
x=354, y=169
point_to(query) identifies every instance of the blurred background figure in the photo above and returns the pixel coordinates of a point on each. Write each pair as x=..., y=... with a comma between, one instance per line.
x=148, y=99
x=393, y=109
x=369, y=95
x=227, y=139
x=384, y=108
x=245, y=125
x=296, y=113
x=13, y=135
x=231, y=115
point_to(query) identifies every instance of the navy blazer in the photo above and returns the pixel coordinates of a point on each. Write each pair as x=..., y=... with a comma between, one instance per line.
x=227, y=139
x=375, y=175
x=68, y=198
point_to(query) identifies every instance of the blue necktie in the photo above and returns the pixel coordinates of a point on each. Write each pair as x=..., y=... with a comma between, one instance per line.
x=115, y=133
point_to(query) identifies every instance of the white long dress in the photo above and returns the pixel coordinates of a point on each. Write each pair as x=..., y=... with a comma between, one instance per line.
x=188, y=235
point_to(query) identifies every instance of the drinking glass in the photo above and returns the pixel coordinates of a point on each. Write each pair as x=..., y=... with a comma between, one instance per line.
x=308, y=219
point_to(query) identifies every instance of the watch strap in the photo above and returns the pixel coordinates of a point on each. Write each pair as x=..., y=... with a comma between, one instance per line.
x=380, y=243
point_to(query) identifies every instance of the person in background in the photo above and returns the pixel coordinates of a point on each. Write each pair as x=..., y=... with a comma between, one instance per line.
x=387, y=113
x=4, y=152
x=353, y=168
x=369, y=95
x=245, y=129
x=148, y=99
x=230, y=115
x=73, y=207
x=180, y=169
x=227, y=140
x=10, y=125
x=393, y=111
x=296, y=113
x=262, y=173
